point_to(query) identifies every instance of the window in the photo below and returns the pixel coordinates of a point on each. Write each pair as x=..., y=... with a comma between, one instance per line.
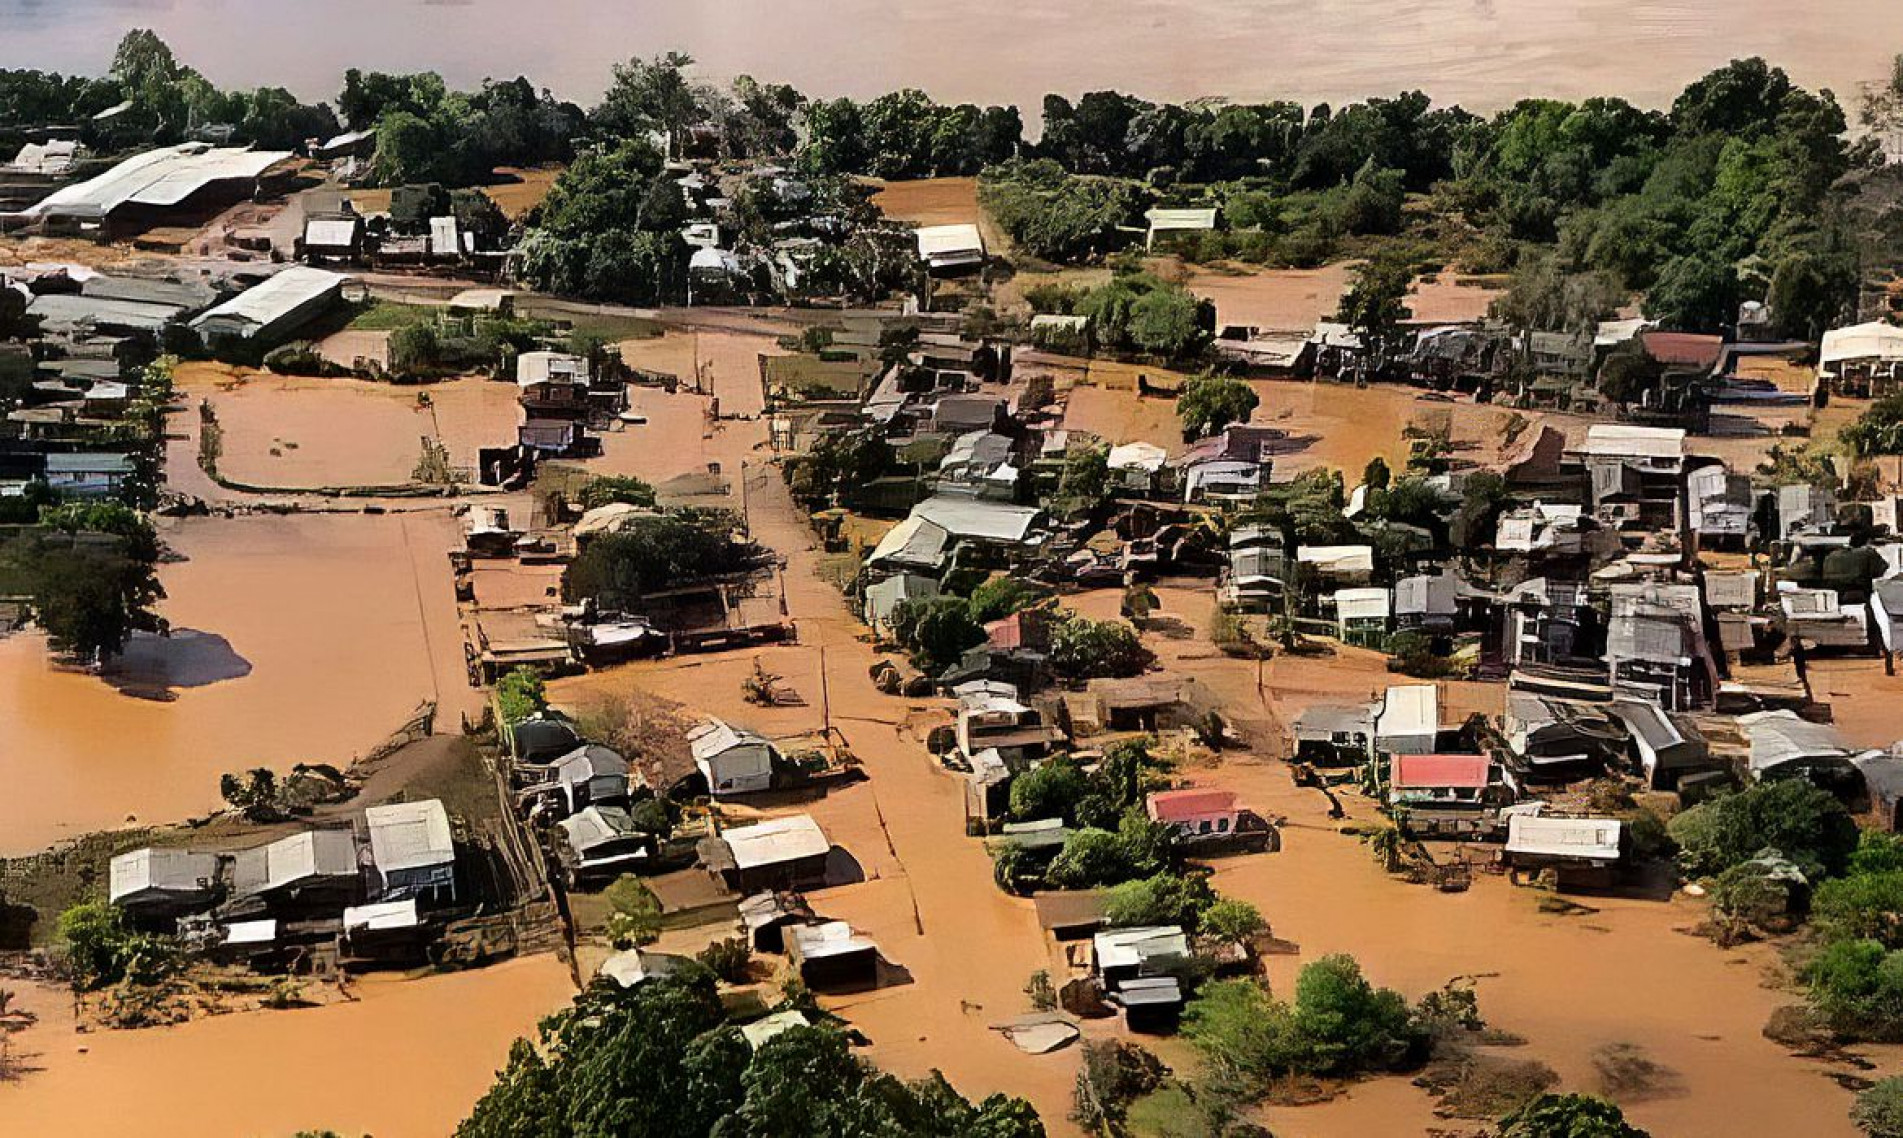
x=1222, y=825
x=1203, y=826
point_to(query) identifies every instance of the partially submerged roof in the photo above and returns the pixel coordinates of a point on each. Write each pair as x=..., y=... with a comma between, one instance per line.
x=1124, y=948
x=1190, y=803
x=969, y=518
x=383, y=916
x=1621, y=440
x=761, y=1030
x=1171, y=220
x=1337, y=558
x=1069, y=908
x=945, y=245
x=913, y=541
x=717, y=737
x=410, y=835
x=1877, y=340
x=597, y=826
x=1362, y=604
x=1781, y=737
x=828, y=939
x=776, y=841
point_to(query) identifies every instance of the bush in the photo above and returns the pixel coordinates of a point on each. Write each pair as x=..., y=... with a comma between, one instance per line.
x=1879, y=1109
x=1863, y=906
x=609, y=489
x=1337, y=1025
x=1857, y=987
x=1113, y=1075
x=1568, y=1116
x=728, y=959
x=520, y=693
x=636, y=919
x=100, y=949
x=1802, y=822
x=1050, y=790
x=677, y=548
x=936, y=632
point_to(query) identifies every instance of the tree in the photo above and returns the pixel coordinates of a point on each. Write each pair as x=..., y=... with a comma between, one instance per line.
x=937, y=631
x=1210, y=403
x=1879, y=1109
x=1857, y=987
x=649, y=95
x=1694, y=294
x=1337, y=1025
x=1001, y=596
x=1085, y=480
x=93, y=580
x=668, y=550
x=1082, y=648
x=1862, y=906
x=1374, y=306
x=1160, y=899
x=1170, y=322
x=1804, y=823
x=1628, y=373
x=1568, y=1116
x=1050, y=790
x=520, y=693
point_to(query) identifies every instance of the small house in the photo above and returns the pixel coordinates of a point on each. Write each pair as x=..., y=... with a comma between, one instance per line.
x=271, y=312
x=1070, y=914
x=592, y=775
x=883, y=598
x=1579, y=851
x=316, y=866
x=1426, y=604
x=1337, y=565
x=733, y=760
x=1361, y=616
x=1121, y=955
x=1862, y=361
x=1152, y=1005
x=88, y=475
x=765, y=917
x=830, y=956
x=991, y=717
x=542, y=739
x=780, y=853
x=413, y=850
x=1786, y=746
x=1439, y=782
x=160, y=883
x=1665, y=746
x=388, y=931
x=1334, y=734
x=602, y=843
x=1408, y=722
x=1886, y=611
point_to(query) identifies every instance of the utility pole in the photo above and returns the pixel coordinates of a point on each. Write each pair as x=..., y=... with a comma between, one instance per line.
x=825, y=698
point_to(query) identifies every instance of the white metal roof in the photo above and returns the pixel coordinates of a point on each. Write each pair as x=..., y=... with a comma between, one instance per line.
x=717, y=737
x=1594, y=839
x=331, y=232
x=382, y=916
x=951, y=244
x=410, y=835
x=1147, y=457
x=173, y=870
x=965, y=517
x=300, y=857
x=1123, y=948
x=251, y=932
x=1877, y=340
x=1362, y=604
x=1621, y=440
x=443, y=237
x=913, y=541
x=162, y=177
x=1162, y=220
x=775, y=841
x=1337, y=558
x=1409, y=709
x=276, y=298
x=833, y=938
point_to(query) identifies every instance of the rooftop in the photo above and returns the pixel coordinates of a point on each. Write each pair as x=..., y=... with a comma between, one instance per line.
x=410, y=835
x=776, y=841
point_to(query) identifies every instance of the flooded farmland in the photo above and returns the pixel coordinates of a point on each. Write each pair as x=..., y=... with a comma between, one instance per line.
x=304, y=638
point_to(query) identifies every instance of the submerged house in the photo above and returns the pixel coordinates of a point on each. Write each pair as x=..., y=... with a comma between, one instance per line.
x=1408, y=722
x=601, y=842
x=1442, y=794
x=270, y=313
x=1334, y=734
x=317, y=866
x=1579, y=851
x=830, y=956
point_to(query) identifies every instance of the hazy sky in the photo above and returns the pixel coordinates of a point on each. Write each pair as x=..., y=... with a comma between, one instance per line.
x=1482, y=52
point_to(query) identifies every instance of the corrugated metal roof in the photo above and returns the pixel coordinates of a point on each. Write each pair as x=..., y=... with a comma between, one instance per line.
x=1428, y=771
x=775, y=841
x=162, y=177
x=410, y=835
x=1593, y=839
x=264, y=304
x=180, y=871
x=1163, y=220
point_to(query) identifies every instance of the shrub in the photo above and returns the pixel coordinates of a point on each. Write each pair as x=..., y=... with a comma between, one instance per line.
x=1338, y=1024
x=1160, y=899
x=1230, y=920
x=1568, y=1116
x=1879, y=1109
x=636, y=919
x=101, y=949
x=728, y=959
x=1051, y=790
x=1857, y=987
x=1082, y=648
x=1863, y=906
x=609, y=489
x=520, y=693
x=1211, y=402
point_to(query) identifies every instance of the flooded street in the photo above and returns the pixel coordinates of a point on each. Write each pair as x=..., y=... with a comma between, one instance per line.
x=1483, y=53
x=306, y=638
x=407, y=1059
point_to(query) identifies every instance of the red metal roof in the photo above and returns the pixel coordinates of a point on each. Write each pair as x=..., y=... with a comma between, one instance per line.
x=1466, y=771
x=1684, y=349
x=1183, y=805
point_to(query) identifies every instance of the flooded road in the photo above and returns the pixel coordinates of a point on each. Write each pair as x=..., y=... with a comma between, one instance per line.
x=306, y=638
x=406, y=1060
x=1483, y=53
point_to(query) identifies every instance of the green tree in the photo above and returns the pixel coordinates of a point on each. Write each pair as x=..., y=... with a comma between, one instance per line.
x=1694, y=294
x=1001, y=596
x=1878, y=431
x=520, y=693
x=1862, y=906
x=1376, y=304
x=937, y=631
x=99, y=948
x=668, y=550
x=1210, y=403
x=1230, y=919
x=1160, y=899
x=636, y=916
x=1170, y=322
x=1082, y=648
x=1804, y=823
x=611, y=489
x=1049, y=790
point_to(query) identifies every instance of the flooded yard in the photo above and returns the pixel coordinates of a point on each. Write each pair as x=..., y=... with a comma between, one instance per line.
x=407, y=1059
x=305, y=638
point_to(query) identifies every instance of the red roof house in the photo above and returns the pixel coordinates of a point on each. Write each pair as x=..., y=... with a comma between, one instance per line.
x=1195, y=810
x=1439, y=779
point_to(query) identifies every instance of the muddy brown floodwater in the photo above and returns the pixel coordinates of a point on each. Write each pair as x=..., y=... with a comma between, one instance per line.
x=407, y=1059
x=304, y=638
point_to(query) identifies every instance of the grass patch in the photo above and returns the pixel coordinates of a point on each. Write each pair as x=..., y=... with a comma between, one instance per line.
x=388, y=316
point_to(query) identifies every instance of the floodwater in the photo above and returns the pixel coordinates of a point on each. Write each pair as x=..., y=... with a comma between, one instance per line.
x=1484, y=53
x=407, y=1059
x=303, y=638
